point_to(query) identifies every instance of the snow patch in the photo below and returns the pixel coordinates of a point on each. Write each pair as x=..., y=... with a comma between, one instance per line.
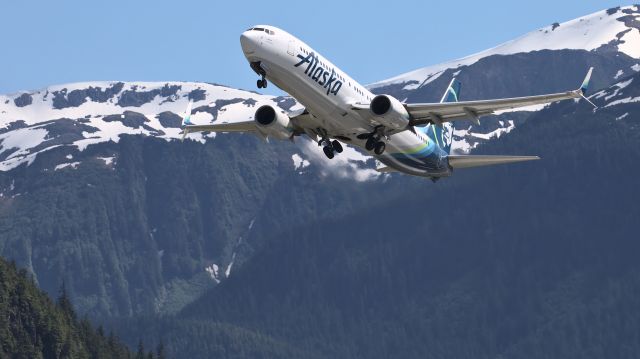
x=412, y=86
x=227, y=272
x=618, y=74
x=622, y=117
x=623, y=101
x=213, y=272
x=107, y=160
x=73, y=165
x=618, y=87
x=22, y=140
x=299, y=163
x=494, y=134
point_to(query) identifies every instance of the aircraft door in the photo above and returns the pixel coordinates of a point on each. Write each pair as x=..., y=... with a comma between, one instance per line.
x=291, y=49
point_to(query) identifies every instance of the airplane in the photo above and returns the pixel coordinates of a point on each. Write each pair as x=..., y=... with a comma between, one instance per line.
x=410, y=138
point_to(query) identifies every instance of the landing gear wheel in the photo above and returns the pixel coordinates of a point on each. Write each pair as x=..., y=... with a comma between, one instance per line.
x=259, y=83
x=336, y=146
x=371, y=143
x=379, y=148
x=328, y=151
x=262, y=84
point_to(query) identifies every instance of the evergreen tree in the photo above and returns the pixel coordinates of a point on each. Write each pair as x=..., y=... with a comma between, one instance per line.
x=160, y=351
x=36, y=327
x=140, y=353
x=64, y=302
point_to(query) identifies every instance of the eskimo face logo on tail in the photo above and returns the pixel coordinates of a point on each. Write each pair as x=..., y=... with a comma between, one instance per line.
x=317, y=72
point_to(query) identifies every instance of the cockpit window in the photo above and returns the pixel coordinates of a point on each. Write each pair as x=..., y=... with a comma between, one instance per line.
x=270, y=32
x=249, y=29
x=258, y=29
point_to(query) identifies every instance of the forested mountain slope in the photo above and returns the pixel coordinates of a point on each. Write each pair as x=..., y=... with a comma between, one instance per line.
x=530, y=260
x=33, y=326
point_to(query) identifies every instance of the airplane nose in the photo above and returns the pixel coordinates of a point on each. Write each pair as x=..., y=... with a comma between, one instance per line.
x=248, y=42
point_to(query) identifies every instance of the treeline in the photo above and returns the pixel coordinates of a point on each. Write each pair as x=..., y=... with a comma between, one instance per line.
x=32, y=325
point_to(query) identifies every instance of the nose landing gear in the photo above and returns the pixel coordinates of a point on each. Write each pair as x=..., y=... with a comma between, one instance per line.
x=257, y=67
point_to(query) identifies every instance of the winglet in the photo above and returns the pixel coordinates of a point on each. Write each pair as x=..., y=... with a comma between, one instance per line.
x=453, y=92
x=186, y=119
x=585, y=84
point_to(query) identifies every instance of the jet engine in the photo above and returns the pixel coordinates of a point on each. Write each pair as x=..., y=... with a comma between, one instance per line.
x=273, y=122
x=389, y=112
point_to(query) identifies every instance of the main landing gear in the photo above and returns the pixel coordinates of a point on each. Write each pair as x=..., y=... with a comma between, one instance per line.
x=262, y=83
x=374, y=140
x=330, y=148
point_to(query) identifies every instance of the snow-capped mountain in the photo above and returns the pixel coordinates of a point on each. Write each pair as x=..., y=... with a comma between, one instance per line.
x=616, y=29
x=145, y=224
x=553, y=58
x=81, y=114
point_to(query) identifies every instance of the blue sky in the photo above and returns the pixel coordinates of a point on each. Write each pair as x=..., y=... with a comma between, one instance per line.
x=47, y=42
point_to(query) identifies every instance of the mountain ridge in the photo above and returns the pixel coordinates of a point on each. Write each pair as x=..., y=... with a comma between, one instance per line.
x=615, y=35
x=95, y=182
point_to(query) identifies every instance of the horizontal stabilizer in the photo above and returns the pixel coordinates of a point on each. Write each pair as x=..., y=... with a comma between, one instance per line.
x=384, y=169
x=467, y=161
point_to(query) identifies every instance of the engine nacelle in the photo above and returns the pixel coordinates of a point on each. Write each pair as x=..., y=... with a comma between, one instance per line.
x=389, y=112
x=273, y=122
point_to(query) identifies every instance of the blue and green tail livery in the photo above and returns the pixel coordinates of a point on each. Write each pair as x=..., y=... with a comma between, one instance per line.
x=186, y=120
x=585, y=84
x=444, y=132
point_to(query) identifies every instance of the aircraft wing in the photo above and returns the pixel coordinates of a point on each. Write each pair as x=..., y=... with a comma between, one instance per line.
x=244, y=126
x=423, y=113
x=467, y=161
x=300, y=121
x=189, y=127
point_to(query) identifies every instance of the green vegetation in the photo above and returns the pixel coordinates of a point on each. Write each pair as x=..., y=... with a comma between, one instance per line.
x=33, y=326
x=530, y=260
x=526, y=260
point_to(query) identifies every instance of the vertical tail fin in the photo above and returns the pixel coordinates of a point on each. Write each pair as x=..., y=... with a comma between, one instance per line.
x=444, y=131
x=186, y=119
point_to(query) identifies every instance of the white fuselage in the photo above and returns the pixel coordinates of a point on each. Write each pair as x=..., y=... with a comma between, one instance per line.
x=328, y=94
